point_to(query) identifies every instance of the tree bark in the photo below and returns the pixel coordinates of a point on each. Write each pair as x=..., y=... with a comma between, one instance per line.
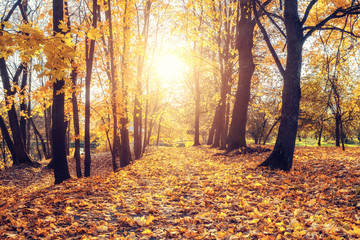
x=7, y=138
x=244, y=45
x=58, y=130
x=114, y=91
x=21, y=155
x=28, y=123
x=282, y=155
x=125, y=157
x=337, y=130
x=138, y=103
x=224, y=135
x=37, y=133
x=75, y=108
x=145, y=124
x=76, y=123
x=320, y=135
x=89, y=66
x=37, y=147
x=47, y=118
x=213, y=127
x=159, y=131
x=220, y=121
x=23, y=106
x=197, y=105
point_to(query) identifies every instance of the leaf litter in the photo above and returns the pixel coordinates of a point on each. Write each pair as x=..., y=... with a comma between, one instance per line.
x=189, y=193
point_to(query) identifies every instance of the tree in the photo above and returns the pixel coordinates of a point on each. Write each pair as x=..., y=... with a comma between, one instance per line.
x=143, y=40
x=125, y=157
x=225, y=22
x=58, y=130
x=282, y=154
x=115, y=150
x=244, y=45
x=89, y=65
x=21, y=156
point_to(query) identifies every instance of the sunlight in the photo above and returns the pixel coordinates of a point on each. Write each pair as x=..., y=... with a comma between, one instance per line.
x=170, y=68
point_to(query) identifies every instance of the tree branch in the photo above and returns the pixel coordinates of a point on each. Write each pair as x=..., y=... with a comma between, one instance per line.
x=338, y=13
x=268, y=43
x=307, y=11
x=10, y=13
x=271, y=19
x=335, y=28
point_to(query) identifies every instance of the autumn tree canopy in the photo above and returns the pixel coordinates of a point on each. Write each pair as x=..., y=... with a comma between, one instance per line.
x=119, y=76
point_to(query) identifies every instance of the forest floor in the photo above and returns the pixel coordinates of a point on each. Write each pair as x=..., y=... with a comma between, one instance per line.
x=189, y=193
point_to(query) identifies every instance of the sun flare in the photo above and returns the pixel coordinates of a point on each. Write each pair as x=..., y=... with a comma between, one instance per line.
x=170, y=68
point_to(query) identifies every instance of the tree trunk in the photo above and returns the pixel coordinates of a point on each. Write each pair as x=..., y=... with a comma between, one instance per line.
x=220, y=120
x=37, y=147
x=89, y=66
x=113, y=79
x=151, y=124
x=58, y=130
x=145, y=125
x=138, y=105
x=125, y=157
x=37, y=133
x=28, y=123
x=21, y=155
x=76, y=123
x=320, y=134
x=7, y=138
x=213, y=127
x=342, y=134
x=47, y=117
x=159, y=131
x=224, y=135
x=67, y=138
x=197, y=109
x=337, y=130
x=270, y=131
x=282, y=155
x=244, y=45
x=4, y=155
x=23, y=106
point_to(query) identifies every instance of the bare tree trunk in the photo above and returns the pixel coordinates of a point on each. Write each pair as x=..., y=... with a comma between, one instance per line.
x=58, y=131
x=47, y=118
x=213, y=127
x=37, y=147
x=342, y=135
x=76, y=123
x=145, y=125
x=23, y=107
x=138, y=105
x=197, y=110
x=197, y=99
x=150, y=131
x=114, y=91
x=320, y=135
x=125, y=157
x=337, y=130
x=89, y=65
x=37, y=133
x=7, y=138
x=28, y=123
x=21, y=155
x=159, y=131
x=244, y=45
x=282, y=155
x=226, y=128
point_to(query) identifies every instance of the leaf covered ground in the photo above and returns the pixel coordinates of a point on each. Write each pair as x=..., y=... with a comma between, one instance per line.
x=188, y=193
